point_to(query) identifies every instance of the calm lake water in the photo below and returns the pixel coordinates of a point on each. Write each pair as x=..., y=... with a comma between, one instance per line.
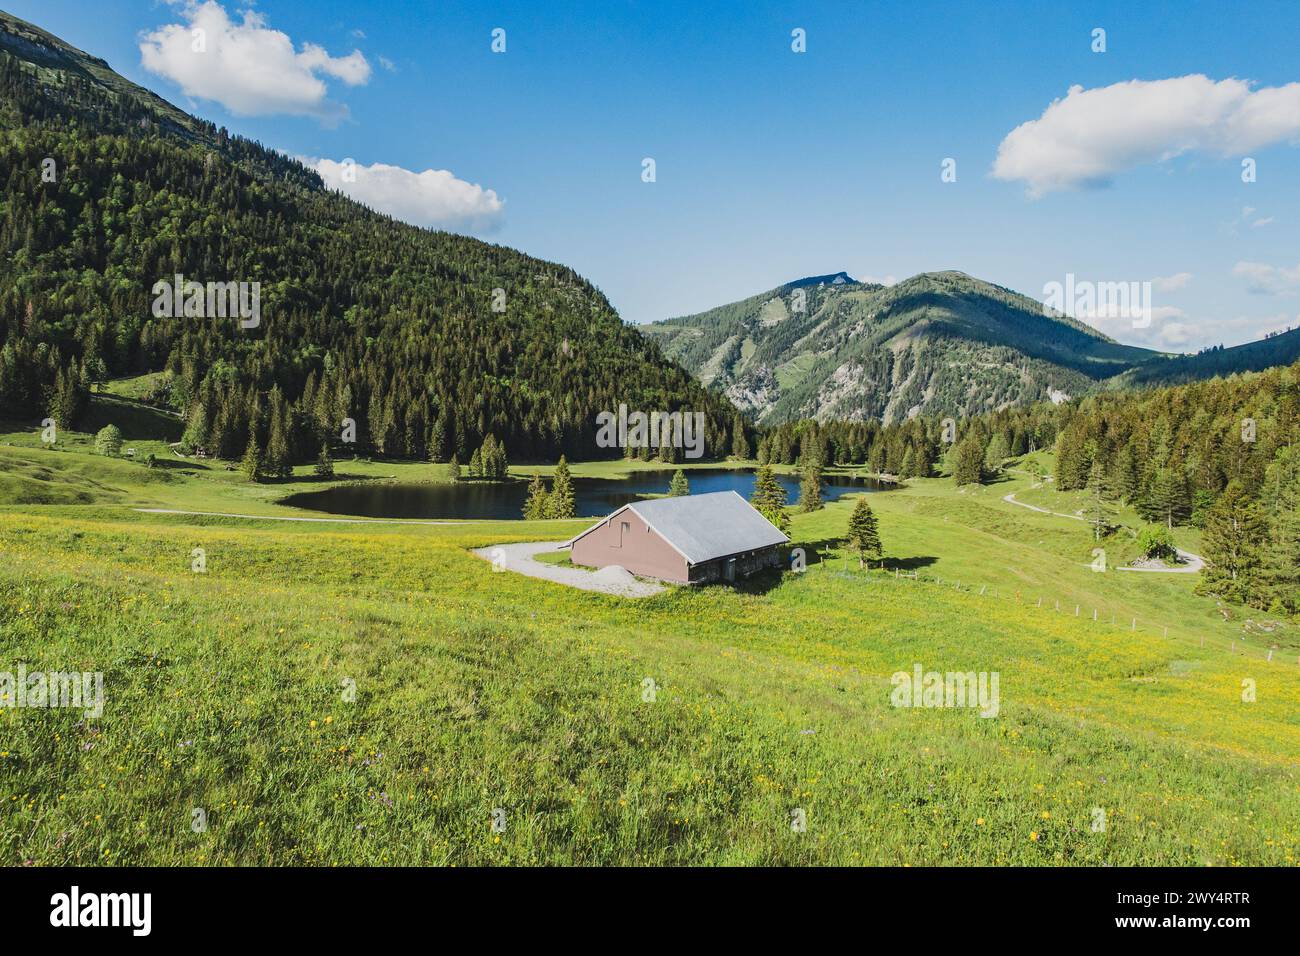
x=595, y=496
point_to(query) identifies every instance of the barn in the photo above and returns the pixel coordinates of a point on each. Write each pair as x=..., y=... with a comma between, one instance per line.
x=692, y=539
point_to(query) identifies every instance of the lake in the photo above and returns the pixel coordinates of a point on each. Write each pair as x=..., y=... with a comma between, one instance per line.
x=595, y=497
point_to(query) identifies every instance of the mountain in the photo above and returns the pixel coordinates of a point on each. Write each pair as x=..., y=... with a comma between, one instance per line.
x=941, y=343
x=428, y=341
x=1280, y=349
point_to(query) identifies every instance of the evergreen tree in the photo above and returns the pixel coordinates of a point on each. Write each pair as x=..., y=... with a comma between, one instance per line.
x=560, y=502
x=1100, y=506
x=864, y=537
x=1128, y=475
x=1281, y=559
x=535, y=505
x=252, y=463
x=277, y=461
x=678, y=487
x=909, y=463
x=325, y=463
x=769, y=498
x=1167, y=499
x=453, y=469
x=739, y=443
x=1072, y=461
x=810, y=486
x=968, y=461
x=1232, y=541
x=476, y=464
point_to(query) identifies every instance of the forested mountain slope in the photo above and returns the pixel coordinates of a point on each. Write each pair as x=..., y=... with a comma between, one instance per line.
x=107, y=189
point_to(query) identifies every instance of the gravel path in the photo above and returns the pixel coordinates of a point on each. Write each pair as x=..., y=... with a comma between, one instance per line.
x=1192, y=562
x=519, y=558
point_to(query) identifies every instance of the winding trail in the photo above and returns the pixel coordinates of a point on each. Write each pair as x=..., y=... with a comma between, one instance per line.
x=1193, y=562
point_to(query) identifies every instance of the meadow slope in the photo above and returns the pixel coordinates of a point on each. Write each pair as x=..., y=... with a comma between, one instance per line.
x=477, y=690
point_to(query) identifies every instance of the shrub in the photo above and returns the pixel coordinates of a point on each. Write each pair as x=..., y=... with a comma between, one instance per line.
x=109, y=441
x=1155, y=541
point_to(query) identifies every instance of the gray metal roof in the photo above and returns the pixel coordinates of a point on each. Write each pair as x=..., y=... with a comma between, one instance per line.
x=704, y=527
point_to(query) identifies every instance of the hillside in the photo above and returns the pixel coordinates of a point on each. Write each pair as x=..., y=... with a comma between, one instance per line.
x=938, y=343
x=362, y=317
x=775, y=696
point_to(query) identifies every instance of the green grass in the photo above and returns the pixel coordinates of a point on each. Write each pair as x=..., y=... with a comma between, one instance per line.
x=477, y=690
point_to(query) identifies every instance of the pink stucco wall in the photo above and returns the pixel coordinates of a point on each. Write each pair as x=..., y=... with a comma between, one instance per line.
x=625, y=540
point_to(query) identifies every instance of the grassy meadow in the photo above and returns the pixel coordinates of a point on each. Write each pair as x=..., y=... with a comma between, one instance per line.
x=230, y=690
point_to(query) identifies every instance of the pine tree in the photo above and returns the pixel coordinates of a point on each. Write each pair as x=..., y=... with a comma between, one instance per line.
x=1232, y=540
x=535, y=505
x=1072, y=461
x=739, y=443
x=812, y=453
x=810, y=486
x=864, y=537
x=453, y=469
x=909, y=462
x=1281, y=559
x=197, y=429
x=1100, y=507
x=968, y=461
x=277, y=462
x=1167, y=500
x=679, y=486
x=252, y=463
x=769, y=498
x=560, y=502
x=325, y=463
x=1128, y=475
x=476, y=464
x=924, y=459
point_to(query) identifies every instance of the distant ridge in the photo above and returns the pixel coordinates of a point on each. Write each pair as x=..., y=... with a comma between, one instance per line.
x=942, y=343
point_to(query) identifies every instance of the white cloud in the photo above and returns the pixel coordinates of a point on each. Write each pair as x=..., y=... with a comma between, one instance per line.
x=387, y=64
x=1265, y=279
x=1091, y=135
x=248, y=68
x=1248, y=217
x=1171, y=283
x=1172, y=331
x=879, y=280
x=433, y=198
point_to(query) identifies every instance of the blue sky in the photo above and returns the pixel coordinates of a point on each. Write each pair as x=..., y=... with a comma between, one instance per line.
x=772, y=164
